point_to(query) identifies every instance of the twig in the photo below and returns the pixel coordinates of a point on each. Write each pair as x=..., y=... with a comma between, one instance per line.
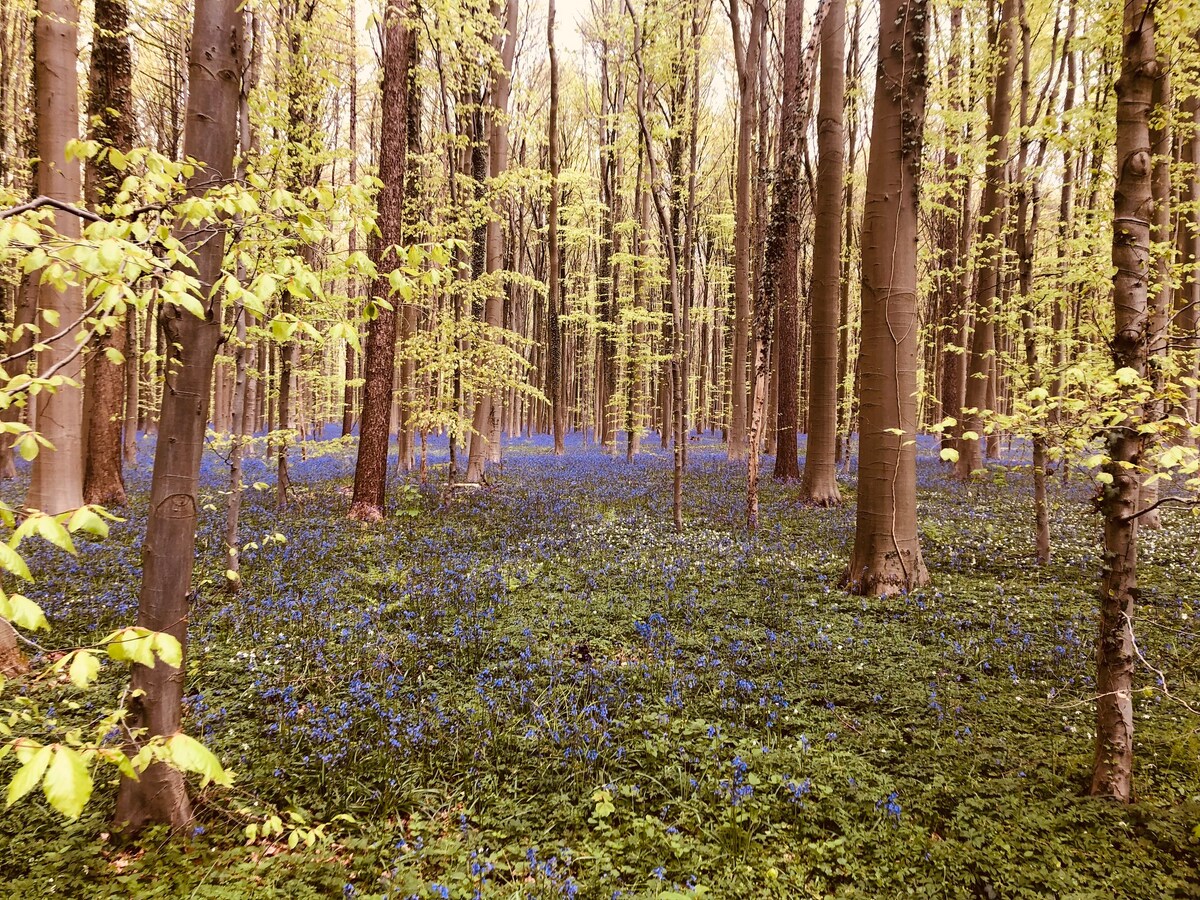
x=1186, y=502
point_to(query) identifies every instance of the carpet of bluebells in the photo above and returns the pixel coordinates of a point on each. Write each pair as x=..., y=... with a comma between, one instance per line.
x=539, y=690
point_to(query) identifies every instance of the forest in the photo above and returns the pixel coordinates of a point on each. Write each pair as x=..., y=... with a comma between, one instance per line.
x=600, y=448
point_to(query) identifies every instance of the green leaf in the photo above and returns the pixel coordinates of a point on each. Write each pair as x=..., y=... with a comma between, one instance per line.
x=949, y=454
x=28, y=775
x=84, y=669
x=1127, y=376
x=53, y=531
x=168, y=649
x=27, y=446
x=114, y=356
x=131, y=645
x=26, y=614
x=86, y=519
x=11, y=561
x=190, y=755
x=68, y=783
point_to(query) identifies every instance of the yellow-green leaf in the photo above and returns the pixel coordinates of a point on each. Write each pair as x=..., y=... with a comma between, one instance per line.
x=29, y=775
x=190, y=755
x=68, y=783
x=84, y=669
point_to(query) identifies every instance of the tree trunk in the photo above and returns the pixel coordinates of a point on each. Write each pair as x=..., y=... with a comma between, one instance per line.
x=379, y=363
x=819, y=485
x=887, y=551
x=748, y=59
x=168, y=551
x=485, y=439
x=57, y=482
x=1162, y=238
x=554, y=386
x=351, y=365
x=110, y=110
x=1112, y=774
x=991, y=249
x=783, y=272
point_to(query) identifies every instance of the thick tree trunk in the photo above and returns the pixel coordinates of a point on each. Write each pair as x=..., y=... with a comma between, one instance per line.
x=887, y=551
x=57, y=483
x=1112, y=774
x=379, y=364
x=168, y=552
x=819, y=485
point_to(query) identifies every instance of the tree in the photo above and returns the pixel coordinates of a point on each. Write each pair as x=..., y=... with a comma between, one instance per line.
x=1133, y=204
x=886, y=558
x=558, y=421
x=168, y=551
x=746, y=52
x=991, y=246
x=110, y=110
x=819, y=485
x=57, y=482
x=379, y=362
x=779, y=260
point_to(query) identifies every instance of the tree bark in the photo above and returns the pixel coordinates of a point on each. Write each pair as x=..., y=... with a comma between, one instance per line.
x=748, y=59
x=887, y=551
x=991, y=247
x=1112, y=773
x=784, y=247
x=819, y=485
x=379, y=363
x=57, y=482
x=110, y=109
x=554, y=377
x=168, y=551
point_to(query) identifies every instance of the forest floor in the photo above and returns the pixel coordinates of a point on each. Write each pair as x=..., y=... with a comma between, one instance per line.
x=539, y=690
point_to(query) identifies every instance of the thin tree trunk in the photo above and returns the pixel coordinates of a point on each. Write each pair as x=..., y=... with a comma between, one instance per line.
x=748, y=52
x=554, y=311
x=379, y=364
x=991, y=251
x=783, y=272
x=110, y=110
x=1112, y=773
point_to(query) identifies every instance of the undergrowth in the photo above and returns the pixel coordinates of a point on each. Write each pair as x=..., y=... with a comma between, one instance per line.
x=539, y=690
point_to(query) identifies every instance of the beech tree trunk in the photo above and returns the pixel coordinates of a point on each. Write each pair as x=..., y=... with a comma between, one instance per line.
x=991, y=248
x=887, y=551
x=110, y=110
x=351, y=365
x=779, y=278
x=1133, y=203
x=748, y=64
x=485, y=441
x=554, y=387
x=819, y=485
x=169, y=549
x=379, y=362
x=57, y=482
x=1163, y=241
